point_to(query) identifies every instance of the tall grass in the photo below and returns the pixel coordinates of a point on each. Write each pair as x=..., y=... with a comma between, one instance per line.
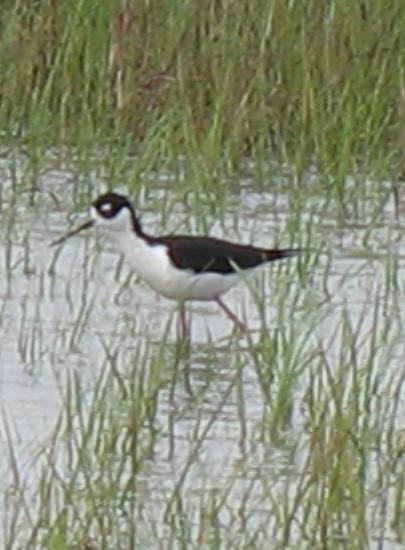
x=305, y=82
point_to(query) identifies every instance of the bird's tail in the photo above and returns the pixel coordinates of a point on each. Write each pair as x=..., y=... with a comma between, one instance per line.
x=279, y=254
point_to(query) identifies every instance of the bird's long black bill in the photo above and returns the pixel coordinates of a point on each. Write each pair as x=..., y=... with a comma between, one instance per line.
x=69, y=234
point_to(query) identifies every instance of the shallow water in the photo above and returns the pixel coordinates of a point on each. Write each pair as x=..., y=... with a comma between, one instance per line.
x=62, y=308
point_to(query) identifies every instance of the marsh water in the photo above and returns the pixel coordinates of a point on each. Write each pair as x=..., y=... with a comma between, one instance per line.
x=69, y=310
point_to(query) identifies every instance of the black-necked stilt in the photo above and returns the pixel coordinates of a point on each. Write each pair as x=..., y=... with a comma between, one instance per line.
x=179, y=267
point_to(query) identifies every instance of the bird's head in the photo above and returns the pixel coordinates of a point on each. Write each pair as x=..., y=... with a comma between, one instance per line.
x=111, y=211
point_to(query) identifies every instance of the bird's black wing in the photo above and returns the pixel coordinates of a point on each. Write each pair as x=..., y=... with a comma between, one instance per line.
x=206, y=254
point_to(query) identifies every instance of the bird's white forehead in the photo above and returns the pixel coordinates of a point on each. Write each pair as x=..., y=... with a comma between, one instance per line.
x=93, y=213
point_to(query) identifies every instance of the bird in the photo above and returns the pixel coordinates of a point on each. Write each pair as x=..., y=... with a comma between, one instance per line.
x=179, y=267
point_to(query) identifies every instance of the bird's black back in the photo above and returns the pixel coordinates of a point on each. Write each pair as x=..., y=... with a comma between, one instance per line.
x=207, y=254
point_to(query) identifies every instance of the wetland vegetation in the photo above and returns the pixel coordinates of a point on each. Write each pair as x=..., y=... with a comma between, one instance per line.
x=279, y=122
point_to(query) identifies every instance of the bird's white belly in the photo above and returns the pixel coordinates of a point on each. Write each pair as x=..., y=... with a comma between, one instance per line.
x=204, y=286
x=153, y=266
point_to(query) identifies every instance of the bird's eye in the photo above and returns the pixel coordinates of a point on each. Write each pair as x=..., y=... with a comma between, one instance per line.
x=106, y=208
